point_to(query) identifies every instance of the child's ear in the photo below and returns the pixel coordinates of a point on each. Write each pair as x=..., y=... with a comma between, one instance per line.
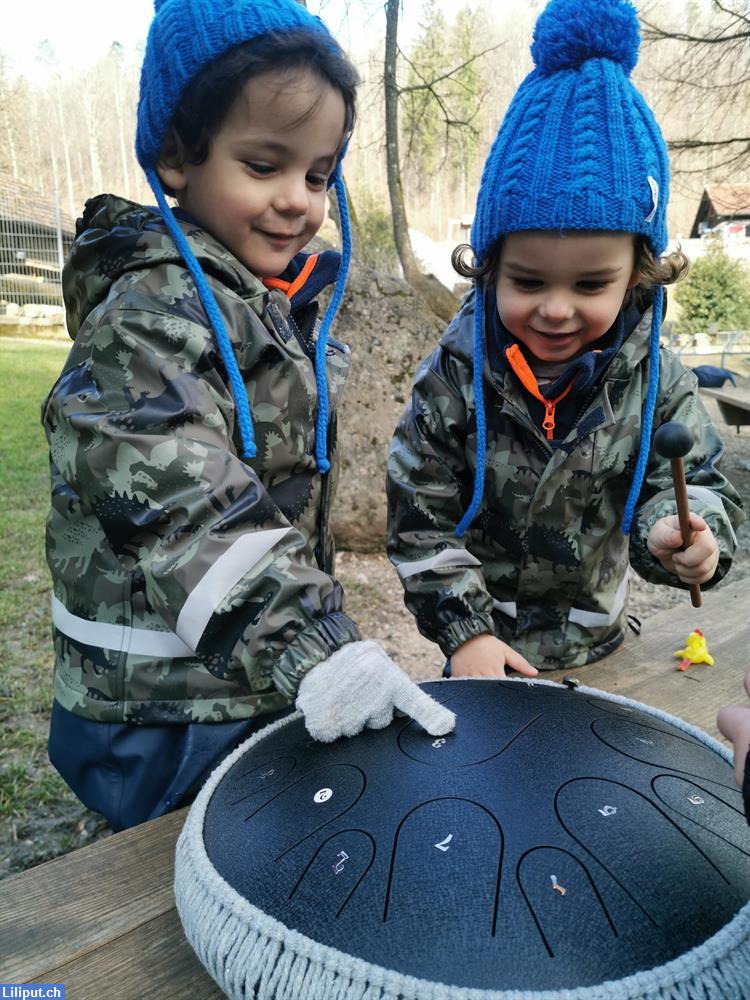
x=635, y=278
x=170, y=164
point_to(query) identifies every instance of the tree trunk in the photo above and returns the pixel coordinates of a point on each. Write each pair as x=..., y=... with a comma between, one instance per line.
x=9, y=140
x=89, y=111
x=442, y=302
x=395, y=189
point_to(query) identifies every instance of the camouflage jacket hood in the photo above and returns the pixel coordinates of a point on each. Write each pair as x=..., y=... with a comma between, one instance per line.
x=189, y=584
x=115, y=237
x=545, y=564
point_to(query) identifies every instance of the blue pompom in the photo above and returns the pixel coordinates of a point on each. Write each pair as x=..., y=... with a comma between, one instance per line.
x=569, y=32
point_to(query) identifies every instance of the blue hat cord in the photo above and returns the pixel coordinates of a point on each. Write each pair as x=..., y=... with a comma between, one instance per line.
x=321, y=424
x=649, y=407
x=239, y=392
x=214, y=317
x=481, y=449
x=646, y=423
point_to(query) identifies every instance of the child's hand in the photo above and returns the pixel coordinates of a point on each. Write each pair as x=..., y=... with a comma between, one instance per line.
x=697, y=564
x=734, y=723
x=486, y=656
x=359, y=686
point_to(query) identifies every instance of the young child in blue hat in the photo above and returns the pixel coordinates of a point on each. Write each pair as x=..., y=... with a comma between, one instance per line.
x=192, y=430
x=521, y=481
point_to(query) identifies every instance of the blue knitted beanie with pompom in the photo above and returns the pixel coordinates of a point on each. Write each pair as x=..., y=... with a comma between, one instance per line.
x=578, y=149
x=184, y=37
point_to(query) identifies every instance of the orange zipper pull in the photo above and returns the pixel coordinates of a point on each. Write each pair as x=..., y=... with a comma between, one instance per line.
x=548, y=424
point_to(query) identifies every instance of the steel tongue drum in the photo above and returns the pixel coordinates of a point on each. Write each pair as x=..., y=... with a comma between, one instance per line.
x=561, y=843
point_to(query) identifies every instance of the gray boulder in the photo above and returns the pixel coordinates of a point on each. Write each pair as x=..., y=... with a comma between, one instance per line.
x=389, y=330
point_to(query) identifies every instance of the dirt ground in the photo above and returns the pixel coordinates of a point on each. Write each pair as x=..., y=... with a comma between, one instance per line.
x=375, y=600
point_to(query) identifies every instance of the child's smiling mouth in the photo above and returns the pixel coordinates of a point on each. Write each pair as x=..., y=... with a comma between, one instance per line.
x=280, y=238
x=555, y=334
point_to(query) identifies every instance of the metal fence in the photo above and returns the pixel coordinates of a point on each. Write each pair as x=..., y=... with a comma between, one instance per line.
x=34, y=240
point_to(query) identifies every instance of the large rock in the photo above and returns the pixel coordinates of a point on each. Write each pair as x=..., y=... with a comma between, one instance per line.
x=389, y=330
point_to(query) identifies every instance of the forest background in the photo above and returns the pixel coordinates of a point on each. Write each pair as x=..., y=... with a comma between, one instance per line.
x=429, y=107
x=67, y=122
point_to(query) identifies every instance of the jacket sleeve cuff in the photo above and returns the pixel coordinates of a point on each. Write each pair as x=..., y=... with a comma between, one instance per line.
x=463, y=629
x=310, y=647
x=663, y=505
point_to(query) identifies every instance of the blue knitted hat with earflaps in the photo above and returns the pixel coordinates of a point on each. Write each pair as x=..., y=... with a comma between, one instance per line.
x=186, y=35
x=578, y=149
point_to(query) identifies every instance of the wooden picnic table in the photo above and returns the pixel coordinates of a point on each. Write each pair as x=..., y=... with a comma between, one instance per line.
x=102, y=919
x=733, y=403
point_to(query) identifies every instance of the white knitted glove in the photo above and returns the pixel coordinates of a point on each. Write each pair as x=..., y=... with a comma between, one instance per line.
x=359, y=685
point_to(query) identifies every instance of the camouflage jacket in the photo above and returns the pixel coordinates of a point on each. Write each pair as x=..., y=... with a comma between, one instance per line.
x=545, y=564
x=189, y=584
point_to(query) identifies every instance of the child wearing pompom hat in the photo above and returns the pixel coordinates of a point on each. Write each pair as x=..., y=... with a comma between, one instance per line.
x=192, y=429
x=521, y=482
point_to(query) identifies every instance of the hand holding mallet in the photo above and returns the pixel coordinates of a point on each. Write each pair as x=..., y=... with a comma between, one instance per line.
x=673, y=440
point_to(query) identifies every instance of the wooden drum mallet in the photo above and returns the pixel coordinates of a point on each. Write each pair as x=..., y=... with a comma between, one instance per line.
x=673, y=440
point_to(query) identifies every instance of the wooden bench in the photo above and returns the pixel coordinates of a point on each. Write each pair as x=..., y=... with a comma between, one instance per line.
x=102, y=919
x=734, y=405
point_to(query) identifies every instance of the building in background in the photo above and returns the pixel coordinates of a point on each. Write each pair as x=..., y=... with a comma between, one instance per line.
x=724, y=208
x=35, y=237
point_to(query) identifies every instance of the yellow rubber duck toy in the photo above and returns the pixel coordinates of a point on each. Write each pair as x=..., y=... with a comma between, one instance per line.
x=695, y=651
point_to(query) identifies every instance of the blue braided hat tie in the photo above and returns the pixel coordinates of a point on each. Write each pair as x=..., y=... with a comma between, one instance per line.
x=224, y=344
x=214, y=316
x=478, y=491
x=647, y=418
x=321, y=424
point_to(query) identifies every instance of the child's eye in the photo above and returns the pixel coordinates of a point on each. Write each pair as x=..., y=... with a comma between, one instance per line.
x=592, y=286
x=262, y=169
x=317, y=180
x=527, y=284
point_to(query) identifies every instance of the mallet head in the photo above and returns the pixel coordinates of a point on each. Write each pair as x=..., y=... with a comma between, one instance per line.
x=673, y=440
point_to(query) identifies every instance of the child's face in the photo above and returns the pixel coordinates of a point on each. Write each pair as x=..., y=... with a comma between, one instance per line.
x=262, y=190
x=557, y=294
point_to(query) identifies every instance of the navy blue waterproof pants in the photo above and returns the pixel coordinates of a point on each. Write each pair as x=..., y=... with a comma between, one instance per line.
x=133, y=773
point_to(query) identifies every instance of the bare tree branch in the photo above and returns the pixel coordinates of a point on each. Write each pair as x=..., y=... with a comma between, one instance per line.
x=429, y=84
x=709, y=80
x=678, y=144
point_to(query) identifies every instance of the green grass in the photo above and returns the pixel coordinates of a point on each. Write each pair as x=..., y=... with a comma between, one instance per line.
x=24, y=789
x=27, y=782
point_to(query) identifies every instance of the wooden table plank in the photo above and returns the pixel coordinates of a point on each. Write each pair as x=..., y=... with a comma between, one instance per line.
x=643, y=668
x=733, y=403
x=152, y=960
x=86, y=899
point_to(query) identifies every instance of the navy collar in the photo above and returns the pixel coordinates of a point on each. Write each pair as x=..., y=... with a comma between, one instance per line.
x=306, y=275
